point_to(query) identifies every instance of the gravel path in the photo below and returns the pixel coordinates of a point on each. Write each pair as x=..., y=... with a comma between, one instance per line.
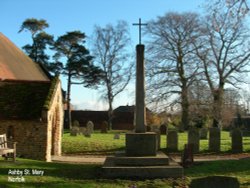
x=79, y=159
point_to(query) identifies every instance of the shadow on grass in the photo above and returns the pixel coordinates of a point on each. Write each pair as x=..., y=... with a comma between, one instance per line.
x=45, y=185
x=225, y=167
x=56, y=170
x=215, y=181
x=99, y=152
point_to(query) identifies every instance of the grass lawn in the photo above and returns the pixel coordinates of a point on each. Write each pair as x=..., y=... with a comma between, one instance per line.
x=104, y=144
x=97, y=144
x=58, y=175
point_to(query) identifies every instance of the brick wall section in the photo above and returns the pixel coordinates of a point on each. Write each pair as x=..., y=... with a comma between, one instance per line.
x=30, y=137
x=40, y=138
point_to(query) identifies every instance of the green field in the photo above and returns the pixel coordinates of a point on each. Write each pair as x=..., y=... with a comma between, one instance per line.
x=58, y=175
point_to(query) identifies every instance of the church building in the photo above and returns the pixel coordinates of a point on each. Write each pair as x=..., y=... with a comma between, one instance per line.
x=31, y=104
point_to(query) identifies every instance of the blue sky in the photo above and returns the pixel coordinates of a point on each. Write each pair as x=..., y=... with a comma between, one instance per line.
x=69, y=15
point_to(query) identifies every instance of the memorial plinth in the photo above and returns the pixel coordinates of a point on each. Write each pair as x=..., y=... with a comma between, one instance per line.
x=141, y=158
x=141, y=144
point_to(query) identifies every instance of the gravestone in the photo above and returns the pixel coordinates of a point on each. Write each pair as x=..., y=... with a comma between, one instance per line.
x=117, y=136
x=194, y=139
x=90, y=127
x=172, y=140
x=104, y=127
x=76, y=123
x=187, y=158
x=236, y=141
x=74, y=131
x=215, y=182
x=214, y=139
x=87, y=133
x=163, y=129
x=203, y=133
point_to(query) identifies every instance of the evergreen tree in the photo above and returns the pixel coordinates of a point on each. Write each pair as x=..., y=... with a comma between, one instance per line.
x=41, y=40
x=75, y=62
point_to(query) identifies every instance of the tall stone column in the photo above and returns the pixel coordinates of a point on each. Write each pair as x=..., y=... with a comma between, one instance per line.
x=140, y=110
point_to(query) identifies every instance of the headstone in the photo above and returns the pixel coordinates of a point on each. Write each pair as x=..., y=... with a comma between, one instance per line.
x=203, y=133
x=172, y=140
x=104, y=127
x=74, y=131
x=90, y=127
x=163, y=129
x=87, y=133
x=215, y=181
x=237, y=141
x=117, y=136
x=194, y=138
x=76, y=123
x=214, y=139
x=187, y=158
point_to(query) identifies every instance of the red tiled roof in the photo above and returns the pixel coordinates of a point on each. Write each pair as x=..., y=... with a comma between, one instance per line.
x=15, y=65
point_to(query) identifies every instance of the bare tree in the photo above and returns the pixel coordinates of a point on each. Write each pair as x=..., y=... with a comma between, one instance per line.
x=200, y=99
x=240, y=6
x=110, y=50
x=224, y=51
x=173, y=65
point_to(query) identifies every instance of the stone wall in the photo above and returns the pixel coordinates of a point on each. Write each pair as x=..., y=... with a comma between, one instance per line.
x=31, y=137
x=40, y=138
x=54, y=119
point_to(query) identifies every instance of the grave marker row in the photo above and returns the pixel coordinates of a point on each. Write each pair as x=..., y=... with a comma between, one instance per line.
x=214, y=140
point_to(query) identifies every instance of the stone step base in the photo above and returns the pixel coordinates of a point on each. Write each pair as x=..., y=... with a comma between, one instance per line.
x=111, y=170
x=122, y=160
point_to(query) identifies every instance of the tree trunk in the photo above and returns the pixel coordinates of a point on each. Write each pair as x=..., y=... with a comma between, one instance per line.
x=110, y=116
x=68, y=111
x=217, y=106
x=185, y=109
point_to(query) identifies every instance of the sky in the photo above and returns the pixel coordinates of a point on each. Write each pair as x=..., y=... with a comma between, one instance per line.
x=69, y=15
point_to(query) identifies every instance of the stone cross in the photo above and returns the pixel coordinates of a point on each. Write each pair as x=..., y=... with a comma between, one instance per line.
x=140, y=24
x=140, y=110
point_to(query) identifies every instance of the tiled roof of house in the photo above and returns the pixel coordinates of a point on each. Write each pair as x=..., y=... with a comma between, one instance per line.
x=128, y=109
x=15, y=65
x=125, y=109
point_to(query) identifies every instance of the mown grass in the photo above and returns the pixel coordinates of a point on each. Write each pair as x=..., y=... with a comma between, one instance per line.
x=90, y=176
x=97, y=144
x=57, y=175
x=105, y=144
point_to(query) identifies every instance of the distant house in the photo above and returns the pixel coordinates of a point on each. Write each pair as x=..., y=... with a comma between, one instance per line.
x=123, y=117
x=31, y=108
